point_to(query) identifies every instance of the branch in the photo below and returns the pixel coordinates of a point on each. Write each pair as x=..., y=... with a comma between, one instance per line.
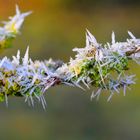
x=100, y=66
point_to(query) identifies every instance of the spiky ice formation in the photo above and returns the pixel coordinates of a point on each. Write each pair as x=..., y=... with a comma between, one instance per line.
x=11, y=28
x=93, y=66
x=99, y=66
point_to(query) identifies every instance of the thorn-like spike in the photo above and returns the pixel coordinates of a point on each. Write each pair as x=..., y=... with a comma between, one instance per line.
x=26, y=57
x=113, y=37
x=23, y=14
x=87, y=39
x=131, y=35
x=90, y=39
x=2, y=61
x=17, y=10
x=27, y=14
x=18, y=54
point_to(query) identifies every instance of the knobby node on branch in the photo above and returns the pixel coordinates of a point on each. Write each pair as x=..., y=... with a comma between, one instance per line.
x=100, y=66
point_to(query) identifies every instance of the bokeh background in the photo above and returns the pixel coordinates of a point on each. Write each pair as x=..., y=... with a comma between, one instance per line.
x=54, y=28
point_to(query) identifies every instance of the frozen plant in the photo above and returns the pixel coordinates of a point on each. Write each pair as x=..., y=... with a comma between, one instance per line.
x=11, y=28
x=99, y=66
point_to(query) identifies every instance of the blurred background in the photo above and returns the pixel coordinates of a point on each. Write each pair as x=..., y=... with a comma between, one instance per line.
x=54, y=28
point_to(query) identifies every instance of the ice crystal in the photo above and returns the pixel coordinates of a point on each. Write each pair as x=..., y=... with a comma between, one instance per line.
x=11, y=28
x=99, y=66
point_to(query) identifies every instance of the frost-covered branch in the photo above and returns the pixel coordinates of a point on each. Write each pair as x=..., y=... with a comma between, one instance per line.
x=11, y=28
x=99, y=66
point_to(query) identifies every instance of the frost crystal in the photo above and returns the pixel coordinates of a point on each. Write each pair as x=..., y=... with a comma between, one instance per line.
x=99, y=66
x=11, y=28
x=15, y=22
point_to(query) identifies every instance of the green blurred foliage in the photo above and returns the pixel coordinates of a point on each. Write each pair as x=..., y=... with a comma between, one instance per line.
x=54, y=28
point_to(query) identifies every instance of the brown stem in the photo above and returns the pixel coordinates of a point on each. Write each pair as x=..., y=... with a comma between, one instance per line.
x=136, y=50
